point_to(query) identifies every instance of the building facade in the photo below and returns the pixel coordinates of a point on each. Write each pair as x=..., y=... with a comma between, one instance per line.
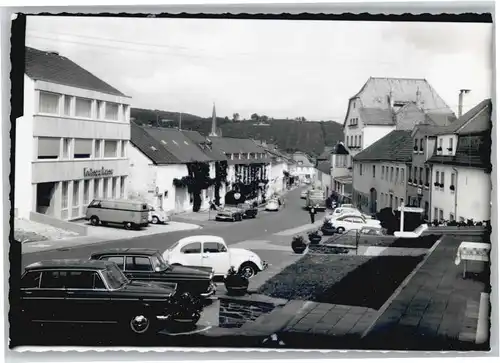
x=379, y=172
x=461, y=168
x=72, y=140
x=303, y=168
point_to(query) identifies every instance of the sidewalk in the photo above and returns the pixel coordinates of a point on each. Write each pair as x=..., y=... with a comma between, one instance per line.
x=102, y=234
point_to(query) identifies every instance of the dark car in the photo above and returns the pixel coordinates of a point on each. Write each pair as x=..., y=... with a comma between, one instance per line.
x=148, y=265
x=86, y=292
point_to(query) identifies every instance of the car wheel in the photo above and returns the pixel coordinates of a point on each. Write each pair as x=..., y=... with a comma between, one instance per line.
x=340, y=230
x=248, y=270
x=155, y=220
x=140, y=324
x=128, y=225
x=94, y=220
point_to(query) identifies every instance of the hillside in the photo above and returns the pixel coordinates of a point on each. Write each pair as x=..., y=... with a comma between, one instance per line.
x=290, y=135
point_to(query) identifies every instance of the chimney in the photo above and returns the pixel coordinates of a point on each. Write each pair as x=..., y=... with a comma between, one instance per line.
x=418, y=100
x=461, y=101
x=390, y=100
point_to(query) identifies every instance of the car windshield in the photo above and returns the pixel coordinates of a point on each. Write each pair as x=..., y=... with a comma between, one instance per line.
x=159, y=263
x=114, y=277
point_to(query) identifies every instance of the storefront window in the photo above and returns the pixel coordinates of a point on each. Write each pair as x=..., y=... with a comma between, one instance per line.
x=49, y=103
x=105, y=188
x=64, y=194
x=111, y=111
x=83, y=148
x=113, y=187
x=96, y=188
x=110, y=148
x=83, y=107
x=76, y=193
x=48, y=147
x=122, y=187
x=86, y=187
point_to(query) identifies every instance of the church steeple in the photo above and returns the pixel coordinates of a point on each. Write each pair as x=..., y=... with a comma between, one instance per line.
x=213, y=132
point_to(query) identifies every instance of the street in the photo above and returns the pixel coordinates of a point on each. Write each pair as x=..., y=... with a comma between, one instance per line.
x=262, y=228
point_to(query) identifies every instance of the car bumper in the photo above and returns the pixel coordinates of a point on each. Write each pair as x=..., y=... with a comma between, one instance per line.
x=223, y=217
x=211, y=291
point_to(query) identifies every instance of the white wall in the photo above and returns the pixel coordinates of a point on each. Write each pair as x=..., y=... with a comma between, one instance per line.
x=372, y=134
x=24, y=151
x=143, y=175
x=473, y=194
x=363, y=183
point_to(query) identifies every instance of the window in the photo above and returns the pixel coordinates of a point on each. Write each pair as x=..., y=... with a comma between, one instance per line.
x=124, y=145
x=421, y=174
x=83, y=107
x=86, y=186
x=122, y=187
x=450, y=144
x=67, y=105
x=397, y=175
x=360, y=169
x=113, y=187
x=110, y=148
x=119, y=260
x=442, y=177
x=53, y=280
x=453, y=179
x=373, y=170
x=213, y=247
x=66, y=148
x=111, y=111
x=138, y=264
x=49, y=103
x=402, y=175
x=441, y=143
x=392, y=173
x=415, y=175
x=64, y=193
x=360, y=142
x=354, y=104
x=435, y=213
x=80, y=280
x=31, y=280
x=410, y=172
x=437, y=177
x=83, y=148
x=76, y=193
x=441, y=215
x=401, y=201
x=96, y=188
x=105, y=187
x=99, y=106
x=390, y=200
x=192, y=248
x=97, y=149
x=427, y=176
x=383, y=171
x=416, y=145
x=421, y=144
x=48, y=147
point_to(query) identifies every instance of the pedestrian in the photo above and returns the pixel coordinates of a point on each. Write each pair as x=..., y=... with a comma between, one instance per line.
x=312, y=214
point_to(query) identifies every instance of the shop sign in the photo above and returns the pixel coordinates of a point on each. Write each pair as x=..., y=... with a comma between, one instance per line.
x=96, y=173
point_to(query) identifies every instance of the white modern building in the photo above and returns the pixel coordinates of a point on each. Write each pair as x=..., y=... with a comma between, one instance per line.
x=71, y=141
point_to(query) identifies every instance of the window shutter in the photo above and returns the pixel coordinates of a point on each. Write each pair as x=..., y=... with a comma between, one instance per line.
x=48, y=146
x=83, y=146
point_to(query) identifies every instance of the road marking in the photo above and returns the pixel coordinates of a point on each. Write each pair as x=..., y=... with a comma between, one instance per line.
x=300, y=229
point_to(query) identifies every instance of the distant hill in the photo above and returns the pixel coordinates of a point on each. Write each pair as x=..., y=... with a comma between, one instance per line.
x=308, y=136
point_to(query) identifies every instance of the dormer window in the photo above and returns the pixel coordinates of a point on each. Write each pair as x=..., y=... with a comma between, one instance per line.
x=415, y=148
x=421, y=145
x=450, y=145
x=440, y=146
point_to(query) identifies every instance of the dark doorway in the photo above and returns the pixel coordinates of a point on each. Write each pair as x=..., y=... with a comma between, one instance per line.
x=45, y=201
x=373, y=200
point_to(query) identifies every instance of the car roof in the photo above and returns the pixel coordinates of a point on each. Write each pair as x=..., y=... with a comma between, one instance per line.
x=347, y=215
x=124, y=251
x=69, y=264
x=201, y=238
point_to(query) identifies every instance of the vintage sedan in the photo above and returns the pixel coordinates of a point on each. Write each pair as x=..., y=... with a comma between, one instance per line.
x=157, y=215
x=347, y=222
x=229, y=213
x=148, y=265
x=212, y=251
x=273, y=205
x=85, y=292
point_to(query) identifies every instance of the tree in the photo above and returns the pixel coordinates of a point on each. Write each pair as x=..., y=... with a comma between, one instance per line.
x=236, y=116
x=264, y=118
x=254, y=117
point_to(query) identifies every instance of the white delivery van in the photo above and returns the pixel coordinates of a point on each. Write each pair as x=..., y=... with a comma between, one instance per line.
x=128, y=213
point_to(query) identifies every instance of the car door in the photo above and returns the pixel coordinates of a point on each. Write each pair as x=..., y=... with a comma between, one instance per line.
x=31, y=302
x=138, y=268
x=357, y=223
x=345, y=222
x=86, y=298
x=191, y=254
x=215, y=255
x=52, y=297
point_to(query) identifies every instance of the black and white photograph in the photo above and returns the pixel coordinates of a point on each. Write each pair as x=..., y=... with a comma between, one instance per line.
x=281, y=182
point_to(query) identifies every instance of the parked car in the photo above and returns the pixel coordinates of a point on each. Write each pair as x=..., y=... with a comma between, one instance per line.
x=229, y=213
x=348, y=222
x=148, y=265
x=93, y=292
x=250, y=209
x=273, y=205
x=212, y=251
x=128, y=213
x=157, y=215
x=337, y=212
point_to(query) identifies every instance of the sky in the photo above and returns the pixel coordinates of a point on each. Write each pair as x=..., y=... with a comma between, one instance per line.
x=278, y=68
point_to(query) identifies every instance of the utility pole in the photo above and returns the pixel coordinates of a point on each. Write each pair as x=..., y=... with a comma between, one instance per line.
x=180, y=120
